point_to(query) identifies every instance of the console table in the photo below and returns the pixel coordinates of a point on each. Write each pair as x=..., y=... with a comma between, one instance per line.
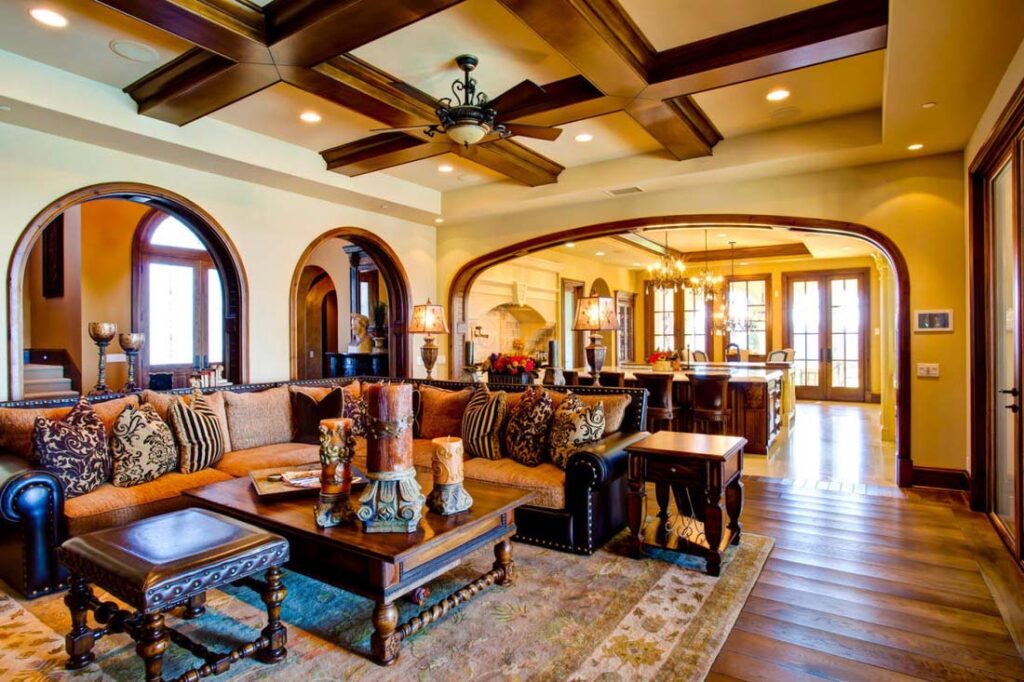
x=356, y=364
x=699, y=470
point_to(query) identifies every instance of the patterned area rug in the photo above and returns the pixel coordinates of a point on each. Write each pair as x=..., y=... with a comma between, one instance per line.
x=604, y=617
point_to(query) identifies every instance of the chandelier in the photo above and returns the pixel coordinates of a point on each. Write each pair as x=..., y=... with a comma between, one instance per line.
x=724, y=319
x=667, y=273
x=706, y=284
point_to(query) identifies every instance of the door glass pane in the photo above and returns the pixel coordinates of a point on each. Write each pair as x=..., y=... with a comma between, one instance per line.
x=171, y=314
x=1006, y=335
x=844, y=311
x=215, y=317
x=664, y=320
x=805, y=312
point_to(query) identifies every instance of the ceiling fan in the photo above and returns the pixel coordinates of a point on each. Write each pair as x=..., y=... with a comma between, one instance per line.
x=469, y=116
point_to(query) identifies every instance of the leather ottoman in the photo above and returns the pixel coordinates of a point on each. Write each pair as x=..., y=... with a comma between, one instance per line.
x=166, y=561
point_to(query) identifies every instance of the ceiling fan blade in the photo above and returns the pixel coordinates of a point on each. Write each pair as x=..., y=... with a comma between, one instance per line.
x=422, y=126
x=538, y=132
x=516, y=96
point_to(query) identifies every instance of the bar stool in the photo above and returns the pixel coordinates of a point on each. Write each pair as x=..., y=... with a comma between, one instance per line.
x=585, y=381
x=612, y=379
x=698, y=356
x=662, y=413
x=709, y=400
x=572, y=377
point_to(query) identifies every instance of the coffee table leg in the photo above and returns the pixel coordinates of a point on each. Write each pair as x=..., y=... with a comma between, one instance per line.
x=384, y=642
x=153, y=642
x=635, y=499
x=713, y=530
x=195, y=607
x=503, y=562
x=80, y=640
x=275, y=631
x=734, y=505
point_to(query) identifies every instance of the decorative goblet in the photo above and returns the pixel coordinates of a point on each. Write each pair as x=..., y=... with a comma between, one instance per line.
x=337, y=445
x=132, y=345
x=102, y=333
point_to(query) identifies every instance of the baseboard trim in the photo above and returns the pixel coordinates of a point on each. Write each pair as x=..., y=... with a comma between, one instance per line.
x=875, y=398
x=938, y=477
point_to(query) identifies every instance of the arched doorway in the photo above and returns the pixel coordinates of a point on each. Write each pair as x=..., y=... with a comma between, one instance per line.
x=464, y=278
x=214, y=239
x=317, y=323
x=396, y=283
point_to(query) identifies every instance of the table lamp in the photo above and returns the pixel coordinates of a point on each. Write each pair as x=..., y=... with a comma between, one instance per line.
x=595, y=314
x=428, y=319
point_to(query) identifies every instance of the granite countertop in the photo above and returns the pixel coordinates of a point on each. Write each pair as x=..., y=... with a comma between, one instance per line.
x=737, y=374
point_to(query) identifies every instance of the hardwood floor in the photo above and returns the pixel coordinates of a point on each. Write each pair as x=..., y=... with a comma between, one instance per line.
x=873, y=587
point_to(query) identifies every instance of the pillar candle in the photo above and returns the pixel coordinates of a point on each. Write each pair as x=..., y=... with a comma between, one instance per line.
x=388, y=405
x=336, y=475
x=447, y=460
x=553, y=353
x=468, y=354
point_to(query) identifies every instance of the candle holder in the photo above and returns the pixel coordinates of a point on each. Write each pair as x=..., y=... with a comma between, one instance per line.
x=132, y=345
x=448, y=495
x=337, y=445
x=102, y=333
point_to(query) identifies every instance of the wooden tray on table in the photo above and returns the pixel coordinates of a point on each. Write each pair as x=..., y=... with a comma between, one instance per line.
x=270, y=490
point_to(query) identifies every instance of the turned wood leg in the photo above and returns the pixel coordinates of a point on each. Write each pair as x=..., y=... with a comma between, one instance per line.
x=275, y=632
x=503, y=562
x=79, y=642
x=734, y=505
x=661, y=495
x=384, y=642
x=636, y=497
x=152, y=643
x=713, y=530
x=195, y=607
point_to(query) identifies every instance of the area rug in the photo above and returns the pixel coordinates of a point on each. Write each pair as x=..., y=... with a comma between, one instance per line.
x=605, y=617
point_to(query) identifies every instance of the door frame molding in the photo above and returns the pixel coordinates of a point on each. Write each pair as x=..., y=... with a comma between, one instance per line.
x=458, y=298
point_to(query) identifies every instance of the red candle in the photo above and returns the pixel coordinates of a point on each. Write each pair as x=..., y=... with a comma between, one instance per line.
x=389, y=432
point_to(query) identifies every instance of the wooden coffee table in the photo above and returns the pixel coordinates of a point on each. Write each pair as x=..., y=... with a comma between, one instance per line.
x=384, y=566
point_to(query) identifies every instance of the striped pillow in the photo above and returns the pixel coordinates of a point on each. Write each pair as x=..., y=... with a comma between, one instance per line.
x=197, y=430
x=482, y=423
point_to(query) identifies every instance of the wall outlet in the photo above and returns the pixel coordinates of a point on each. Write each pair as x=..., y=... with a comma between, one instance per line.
x=117, y=357
x=929, y=370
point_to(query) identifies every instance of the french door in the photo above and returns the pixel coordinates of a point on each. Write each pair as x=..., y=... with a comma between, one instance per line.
x=827, y=315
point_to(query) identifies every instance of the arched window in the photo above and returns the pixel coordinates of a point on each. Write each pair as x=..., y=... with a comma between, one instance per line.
x=179, y=301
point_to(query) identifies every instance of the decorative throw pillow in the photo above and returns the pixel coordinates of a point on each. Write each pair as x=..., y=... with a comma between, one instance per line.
x=482, y=423
x=198, y=432
x=526, y=436
x=258, y=418
x=354, y=408
x=309, y=411
x=441, y=411
x=142, y=447
x=74, y=448
x=575, y=425
x=162, y=402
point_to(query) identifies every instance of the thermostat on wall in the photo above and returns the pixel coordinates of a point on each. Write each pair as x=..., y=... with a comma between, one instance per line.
x=933, y=321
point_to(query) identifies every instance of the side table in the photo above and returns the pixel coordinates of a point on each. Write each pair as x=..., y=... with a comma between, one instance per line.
x=699, y=470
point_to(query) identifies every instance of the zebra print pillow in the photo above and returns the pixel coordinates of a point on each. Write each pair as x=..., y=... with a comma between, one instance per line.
x=482, y=423
x=197, y=430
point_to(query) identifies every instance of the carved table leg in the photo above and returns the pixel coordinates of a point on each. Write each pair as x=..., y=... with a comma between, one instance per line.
x=384, y=642
x=661, y=495
x=275, y=631
x=152, y=643
x=636, y=497
x=80, y=640
x=734, y=505
x=195, y=607
x=713, y=529
x=503, y=562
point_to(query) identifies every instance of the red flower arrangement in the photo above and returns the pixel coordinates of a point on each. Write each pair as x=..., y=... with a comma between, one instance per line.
x=657, y=356
x=514, y=365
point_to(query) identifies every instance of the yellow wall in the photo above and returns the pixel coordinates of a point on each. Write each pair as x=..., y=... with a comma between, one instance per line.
x=918, y=203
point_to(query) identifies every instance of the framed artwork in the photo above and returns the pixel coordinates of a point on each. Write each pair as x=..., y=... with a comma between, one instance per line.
x=53, y=259
x=931, y=321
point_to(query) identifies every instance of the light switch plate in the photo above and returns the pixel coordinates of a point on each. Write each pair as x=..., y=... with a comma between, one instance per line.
x=928, y=370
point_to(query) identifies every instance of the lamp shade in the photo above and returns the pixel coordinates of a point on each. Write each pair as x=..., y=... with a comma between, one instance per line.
x=595, y=314
x=428, y=319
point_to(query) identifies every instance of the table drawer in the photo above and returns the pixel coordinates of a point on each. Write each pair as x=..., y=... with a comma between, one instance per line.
x=674, y=470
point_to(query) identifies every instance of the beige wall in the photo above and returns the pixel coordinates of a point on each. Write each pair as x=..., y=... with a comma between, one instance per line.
x=918, y=203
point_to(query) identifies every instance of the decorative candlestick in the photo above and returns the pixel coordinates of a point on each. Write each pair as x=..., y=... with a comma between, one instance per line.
x=131, y=344
x=337, y=445
x=393, y=501
x=102, y=333
x=448, y=495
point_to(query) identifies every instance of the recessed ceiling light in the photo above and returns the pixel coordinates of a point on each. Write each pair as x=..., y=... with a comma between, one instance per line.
x=310, y=117
x=438, y=220
x=638, y=265
x=599, y=253
x=744, y=263
x=445, y=168
x=48, y=17
x=914, y=147
x=584, y=137
x=721, y=234
x=777, y=95
x=570, y=245
x=928, y=105
x=134, y=51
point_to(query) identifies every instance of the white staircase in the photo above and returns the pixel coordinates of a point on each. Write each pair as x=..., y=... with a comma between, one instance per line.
x=46, y=381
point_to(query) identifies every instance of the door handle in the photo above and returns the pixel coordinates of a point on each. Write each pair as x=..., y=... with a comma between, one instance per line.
x=1013, y=407
x=1010, y=391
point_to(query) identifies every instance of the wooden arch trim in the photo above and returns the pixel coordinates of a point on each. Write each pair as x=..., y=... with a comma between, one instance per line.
x=458, y=300
x=216, y=239
x=399, y=297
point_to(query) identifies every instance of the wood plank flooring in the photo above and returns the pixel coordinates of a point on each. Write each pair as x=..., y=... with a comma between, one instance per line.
x=884, y=586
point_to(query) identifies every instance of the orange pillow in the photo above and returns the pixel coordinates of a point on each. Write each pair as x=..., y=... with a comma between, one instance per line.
x=441, y=411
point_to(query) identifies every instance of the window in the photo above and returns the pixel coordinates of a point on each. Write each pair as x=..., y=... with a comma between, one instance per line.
x=695, y=322
x=625, y=305
x=748, y=298
x=572, y=348
x=664, y=319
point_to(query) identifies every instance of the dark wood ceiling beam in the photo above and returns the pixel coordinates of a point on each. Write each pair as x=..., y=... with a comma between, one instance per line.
x=308, y=32
x=814, y=36
x=378, y=152
x=514, y=160
x=679, y=124
x=229, y=28
x=196, y=84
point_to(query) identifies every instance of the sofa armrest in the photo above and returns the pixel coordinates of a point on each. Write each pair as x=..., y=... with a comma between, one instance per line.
x=33, y=526
x=601, y=461
x=27, y=491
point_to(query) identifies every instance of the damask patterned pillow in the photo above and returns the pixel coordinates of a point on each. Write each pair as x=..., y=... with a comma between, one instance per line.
x=198, y=432
x=529, y=424
x=74, y=448
x=575, y=425
x=142, y=447
x=482, y=423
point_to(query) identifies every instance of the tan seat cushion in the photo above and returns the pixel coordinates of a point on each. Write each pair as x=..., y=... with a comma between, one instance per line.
x=259, y=418
x=17, y=424
x=441, y=411
x=161, y=402
x=108, y=505
x=545, y=479
x=239, y=463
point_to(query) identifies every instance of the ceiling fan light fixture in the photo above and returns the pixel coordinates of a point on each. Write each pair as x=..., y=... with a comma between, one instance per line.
x=467, y=133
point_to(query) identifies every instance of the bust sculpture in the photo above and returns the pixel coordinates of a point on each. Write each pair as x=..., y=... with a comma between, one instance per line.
x=361, y=341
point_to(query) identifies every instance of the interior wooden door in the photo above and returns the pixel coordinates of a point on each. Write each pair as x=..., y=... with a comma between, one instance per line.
x=805, y=315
